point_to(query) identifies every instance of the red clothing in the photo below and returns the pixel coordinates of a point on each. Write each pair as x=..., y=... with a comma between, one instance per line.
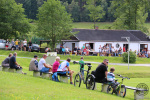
x=55, y=66
x=84, y=50
x=124, y=50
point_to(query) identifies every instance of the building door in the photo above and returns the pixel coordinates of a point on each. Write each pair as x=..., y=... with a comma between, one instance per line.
x=73, y=46
x=143, y=46
x=126, y=47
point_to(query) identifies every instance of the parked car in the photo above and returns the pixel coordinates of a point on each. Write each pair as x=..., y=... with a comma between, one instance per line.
x=2, y=44
x=35, y=47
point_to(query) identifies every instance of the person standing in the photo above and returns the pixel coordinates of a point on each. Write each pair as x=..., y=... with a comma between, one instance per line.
x=7, y=44
x=25, y=44
x=17, y=44
x=13, y=44
x=30, y=46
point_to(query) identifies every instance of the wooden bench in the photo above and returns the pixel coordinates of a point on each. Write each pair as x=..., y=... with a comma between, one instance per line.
x=36, y=73
x=137, y=96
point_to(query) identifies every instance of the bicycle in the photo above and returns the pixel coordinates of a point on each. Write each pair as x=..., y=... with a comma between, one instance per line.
x=119, y=89
x=79, y=77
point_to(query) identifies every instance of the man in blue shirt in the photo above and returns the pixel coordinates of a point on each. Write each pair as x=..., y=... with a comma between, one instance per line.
x=64, y=69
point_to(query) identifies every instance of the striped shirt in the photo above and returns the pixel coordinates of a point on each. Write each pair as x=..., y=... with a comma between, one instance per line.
x=110, y=77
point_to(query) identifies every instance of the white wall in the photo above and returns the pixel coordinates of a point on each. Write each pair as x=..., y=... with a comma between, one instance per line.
x=69, y=45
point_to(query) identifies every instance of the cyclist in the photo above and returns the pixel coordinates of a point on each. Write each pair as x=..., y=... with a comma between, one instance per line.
x=101, y=72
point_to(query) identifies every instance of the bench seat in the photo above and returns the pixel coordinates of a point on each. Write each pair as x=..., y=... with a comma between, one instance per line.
x=36, y=73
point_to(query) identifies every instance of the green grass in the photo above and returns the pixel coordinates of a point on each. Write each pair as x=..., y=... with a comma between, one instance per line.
x=77, y=58
x=26, y=87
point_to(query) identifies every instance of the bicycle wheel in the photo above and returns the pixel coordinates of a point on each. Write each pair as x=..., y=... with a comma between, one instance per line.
x=109, y=89
x=77, y=80
x=121, y=92
x=90, y=82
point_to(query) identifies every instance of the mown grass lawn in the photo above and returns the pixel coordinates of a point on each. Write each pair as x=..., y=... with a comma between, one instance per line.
x=15, y=86
x=77, y=58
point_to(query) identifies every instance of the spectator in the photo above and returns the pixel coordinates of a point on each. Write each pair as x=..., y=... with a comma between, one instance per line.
x=113, y=51
x=7, y=44
x=87, y=51
x=64, y=69
x=47, y=49
x=100, y=50
x=124, y=49
x=17, y=44
x=13, y=63
x=61, y=46
x=67, y=50
x=56, y=64
x=78, y=51
x=75, y=50
x=33, y=64
x=5, y=63
x=63, y=51
x=101, y=72
x=42, y=66
x=12, y=44
x=30, y=46
x=120, y=51
x=83, y=46
x=25, y=44
x=116, y=53
x=84, y=51
x=81, y=62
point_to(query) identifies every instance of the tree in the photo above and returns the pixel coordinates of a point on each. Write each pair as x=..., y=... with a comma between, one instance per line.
x=12, y=20
x=130, y=14
x=96, y=11
x=54, y=22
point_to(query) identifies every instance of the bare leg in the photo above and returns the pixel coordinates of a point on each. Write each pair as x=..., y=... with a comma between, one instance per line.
x=71, y=74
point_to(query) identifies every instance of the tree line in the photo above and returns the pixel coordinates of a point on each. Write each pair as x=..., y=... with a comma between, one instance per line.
x=78, y=9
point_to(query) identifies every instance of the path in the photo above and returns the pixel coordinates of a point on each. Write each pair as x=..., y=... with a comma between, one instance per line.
x=120, y=64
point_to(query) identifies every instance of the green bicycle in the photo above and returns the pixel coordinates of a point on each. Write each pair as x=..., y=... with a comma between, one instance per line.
x=117, y=88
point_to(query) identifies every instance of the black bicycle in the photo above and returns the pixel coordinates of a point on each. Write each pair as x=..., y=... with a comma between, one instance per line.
x=79, y=77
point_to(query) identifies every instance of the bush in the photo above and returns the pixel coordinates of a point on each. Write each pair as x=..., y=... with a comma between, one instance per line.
x=132, y=57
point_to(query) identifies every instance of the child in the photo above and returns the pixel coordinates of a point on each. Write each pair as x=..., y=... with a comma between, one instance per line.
x=81, y=62
x=111, y=77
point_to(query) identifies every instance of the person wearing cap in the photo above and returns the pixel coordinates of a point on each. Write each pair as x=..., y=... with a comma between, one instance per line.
x=64, y=69
x=33, y=64
x=5, y=63
x=42, y=66
x=101, y=72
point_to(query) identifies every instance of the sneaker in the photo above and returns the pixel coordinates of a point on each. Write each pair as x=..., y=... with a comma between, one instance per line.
x=71, y=82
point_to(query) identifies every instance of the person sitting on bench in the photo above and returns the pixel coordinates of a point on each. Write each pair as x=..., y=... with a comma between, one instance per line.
x=64, y=69
x=111, y=77
x=43, y=67
x=33, y=64
x=5, y=63
x=101, y=72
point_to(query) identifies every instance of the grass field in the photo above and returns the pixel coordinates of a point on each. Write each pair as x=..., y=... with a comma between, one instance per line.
x=26, y=87
x=73, y=57
x=101, y=25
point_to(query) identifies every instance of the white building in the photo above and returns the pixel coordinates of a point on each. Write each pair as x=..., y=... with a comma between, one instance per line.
x=95, y=38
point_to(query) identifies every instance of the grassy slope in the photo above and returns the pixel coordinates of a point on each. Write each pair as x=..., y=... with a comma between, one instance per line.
x=86, y=58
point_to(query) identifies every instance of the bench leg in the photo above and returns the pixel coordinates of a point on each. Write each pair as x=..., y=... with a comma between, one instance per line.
x=44, y=75
x=63, y=79
x=104, y=88
x=137, y=96
x=12, y=70
x=36, y=74
x=5, y=69
x=50, y=76
x=0, y=68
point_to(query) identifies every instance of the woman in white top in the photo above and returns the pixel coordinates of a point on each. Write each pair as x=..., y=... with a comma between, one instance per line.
x=25, y=44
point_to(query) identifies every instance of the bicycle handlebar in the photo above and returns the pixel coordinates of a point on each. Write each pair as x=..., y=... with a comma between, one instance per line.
x=123, y=77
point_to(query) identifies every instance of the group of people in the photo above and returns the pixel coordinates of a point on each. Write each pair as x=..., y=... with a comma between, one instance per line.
x=11, y=62
x=18, y=45
x=61, y=69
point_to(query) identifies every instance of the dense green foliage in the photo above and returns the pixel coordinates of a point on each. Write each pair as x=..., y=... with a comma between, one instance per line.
x=12, y=20
x=54, y=23
x=132, y=57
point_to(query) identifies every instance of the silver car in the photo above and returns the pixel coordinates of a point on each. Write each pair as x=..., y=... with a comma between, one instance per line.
x=2, y=44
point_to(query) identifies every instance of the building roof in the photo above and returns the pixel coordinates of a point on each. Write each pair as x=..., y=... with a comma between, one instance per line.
x=108, y=35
